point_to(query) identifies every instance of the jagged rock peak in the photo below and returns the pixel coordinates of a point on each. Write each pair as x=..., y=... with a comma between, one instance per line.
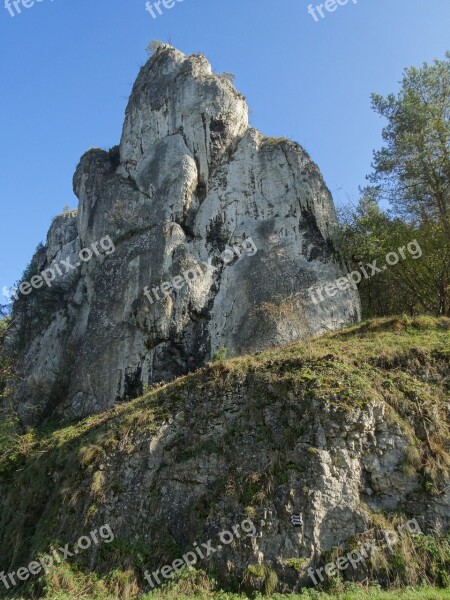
x=176, y=94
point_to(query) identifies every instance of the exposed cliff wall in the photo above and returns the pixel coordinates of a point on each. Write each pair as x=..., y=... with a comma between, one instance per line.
x=189, y=185
x=350, y=431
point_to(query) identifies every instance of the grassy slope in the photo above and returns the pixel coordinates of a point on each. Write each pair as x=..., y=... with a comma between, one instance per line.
x=404, y=362
x=382, y=353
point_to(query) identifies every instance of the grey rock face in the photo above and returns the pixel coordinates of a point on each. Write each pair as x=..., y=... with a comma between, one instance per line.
x=189, y=181
x=198, y=457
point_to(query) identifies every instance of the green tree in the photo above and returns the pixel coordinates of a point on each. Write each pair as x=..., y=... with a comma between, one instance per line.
x=412, y=173
x=413, y=167
x=6, y=364
x=413, y=285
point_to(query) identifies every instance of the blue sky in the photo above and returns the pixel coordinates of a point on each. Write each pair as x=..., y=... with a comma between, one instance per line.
x=67, y=67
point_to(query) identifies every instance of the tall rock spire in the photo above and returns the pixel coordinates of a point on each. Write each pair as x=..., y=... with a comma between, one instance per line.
x=218, y=233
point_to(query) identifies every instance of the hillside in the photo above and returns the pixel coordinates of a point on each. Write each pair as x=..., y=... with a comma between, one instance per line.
x=348, y=431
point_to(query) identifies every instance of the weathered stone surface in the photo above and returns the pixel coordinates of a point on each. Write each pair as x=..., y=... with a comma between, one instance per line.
x=293, y=432
x=189, y=180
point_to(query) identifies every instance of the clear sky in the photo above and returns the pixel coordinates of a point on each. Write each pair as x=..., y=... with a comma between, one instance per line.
x=67, y=67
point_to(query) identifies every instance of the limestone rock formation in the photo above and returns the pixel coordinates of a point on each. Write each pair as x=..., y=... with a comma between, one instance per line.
x=190, y=184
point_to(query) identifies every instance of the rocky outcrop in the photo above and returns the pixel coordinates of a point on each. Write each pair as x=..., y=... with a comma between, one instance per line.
x=350, y=434
x=191, y=187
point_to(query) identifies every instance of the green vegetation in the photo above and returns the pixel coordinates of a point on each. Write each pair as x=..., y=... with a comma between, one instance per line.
x=412, y=173
x=57, y=468
x=275, y=141
x=261, y=578
x=5, y=359
x=231, y=77
x=32, y=313
x=66, y=583
x=279, y=141
x=56, y=473
x=220, y=355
